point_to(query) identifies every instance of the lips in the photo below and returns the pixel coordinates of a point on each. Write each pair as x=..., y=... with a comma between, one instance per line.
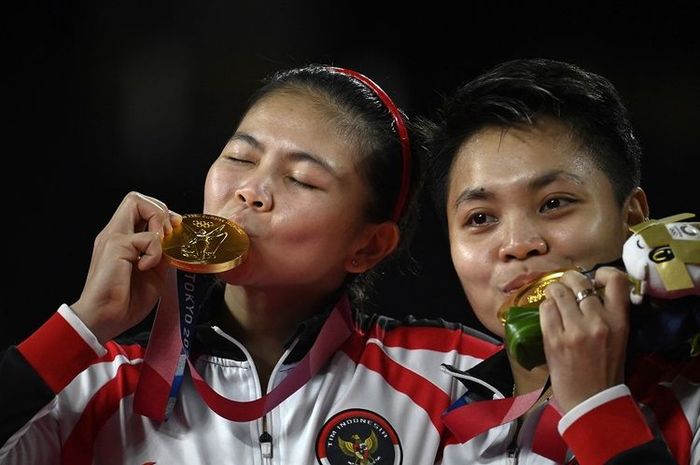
x=238, y=219
x=521, y=280
x=247, y=230
x=241, y=224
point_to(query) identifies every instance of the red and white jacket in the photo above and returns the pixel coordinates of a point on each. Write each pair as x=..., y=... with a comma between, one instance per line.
x=68, y=400
x=65, y=399
x=653, y=419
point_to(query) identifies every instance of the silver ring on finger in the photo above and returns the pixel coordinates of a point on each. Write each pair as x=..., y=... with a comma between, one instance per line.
x=585, y=293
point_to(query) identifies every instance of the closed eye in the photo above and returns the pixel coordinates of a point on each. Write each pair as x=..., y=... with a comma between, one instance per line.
x=301, y=184
x=239, y=160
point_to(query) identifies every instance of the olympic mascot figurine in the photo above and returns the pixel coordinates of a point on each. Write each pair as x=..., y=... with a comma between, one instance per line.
x=662, y=260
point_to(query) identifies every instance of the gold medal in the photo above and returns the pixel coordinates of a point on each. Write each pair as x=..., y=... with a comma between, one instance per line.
x=206, y=244
x=529, y=295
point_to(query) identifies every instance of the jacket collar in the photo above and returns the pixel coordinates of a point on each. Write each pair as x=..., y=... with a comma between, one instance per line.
x=212, y=343
x=489, y=378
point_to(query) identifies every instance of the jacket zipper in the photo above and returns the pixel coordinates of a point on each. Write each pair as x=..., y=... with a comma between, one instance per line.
x=265, y=440
x=513, y=455
x=514, y=447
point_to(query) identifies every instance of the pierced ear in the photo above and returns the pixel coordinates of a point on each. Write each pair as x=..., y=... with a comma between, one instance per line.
x=379, y=241
x=637, y=207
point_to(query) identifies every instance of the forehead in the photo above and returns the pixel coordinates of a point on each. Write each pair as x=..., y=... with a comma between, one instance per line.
x=299, y=121
x=496, y=155
x=304, y=105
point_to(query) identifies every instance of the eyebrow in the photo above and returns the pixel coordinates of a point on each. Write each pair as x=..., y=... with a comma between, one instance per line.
x=481, y=193
x=296, y=156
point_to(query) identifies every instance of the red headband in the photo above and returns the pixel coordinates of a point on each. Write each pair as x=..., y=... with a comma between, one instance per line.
x=400, y=129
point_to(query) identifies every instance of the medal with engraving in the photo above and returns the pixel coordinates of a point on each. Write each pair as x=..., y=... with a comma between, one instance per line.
x=205, y=243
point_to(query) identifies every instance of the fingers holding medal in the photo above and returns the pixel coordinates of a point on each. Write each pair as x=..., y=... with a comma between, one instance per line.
x=573, y=294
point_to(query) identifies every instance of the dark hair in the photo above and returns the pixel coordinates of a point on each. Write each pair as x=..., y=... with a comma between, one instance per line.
x=367, y=121
x=519, y=92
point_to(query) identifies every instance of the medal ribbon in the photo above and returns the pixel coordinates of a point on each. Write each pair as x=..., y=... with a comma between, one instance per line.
x=335, y=331
x=467, y=421
x=170, y=343
x=470, y=420
x=547, y=441
x=171, y=340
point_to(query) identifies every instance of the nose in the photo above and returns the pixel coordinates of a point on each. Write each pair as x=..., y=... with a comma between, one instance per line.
x=521, y=241
x=257, y=197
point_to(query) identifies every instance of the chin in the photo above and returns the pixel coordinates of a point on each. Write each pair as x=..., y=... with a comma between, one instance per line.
x=498, y=330
x=235, y=275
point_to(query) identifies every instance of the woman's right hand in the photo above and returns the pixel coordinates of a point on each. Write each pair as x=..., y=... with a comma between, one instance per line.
x=585, y=340
x=126, y=273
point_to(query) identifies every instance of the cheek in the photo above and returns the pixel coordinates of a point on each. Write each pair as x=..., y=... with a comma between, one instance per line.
x=474, y=269
x=315, y=226
x=217, y=190
x=590, y=243
x=468, y=259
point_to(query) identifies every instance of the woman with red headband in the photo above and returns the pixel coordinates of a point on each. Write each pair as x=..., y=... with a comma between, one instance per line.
x=282, y=366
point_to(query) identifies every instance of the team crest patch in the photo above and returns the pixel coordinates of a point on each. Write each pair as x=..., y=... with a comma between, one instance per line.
x=358, y=437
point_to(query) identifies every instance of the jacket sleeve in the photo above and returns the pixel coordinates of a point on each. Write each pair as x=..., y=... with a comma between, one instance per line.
x=22, y=393
x=610, y=429
x=31, y=376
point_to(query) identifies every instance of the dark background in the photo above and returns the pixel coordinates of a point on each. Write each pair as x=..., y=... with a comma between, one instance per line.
x=106, y=97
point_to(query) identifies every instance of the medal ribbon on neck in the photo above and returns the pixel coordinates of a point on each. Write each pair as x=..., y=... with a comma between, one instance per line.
x=171, y=341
